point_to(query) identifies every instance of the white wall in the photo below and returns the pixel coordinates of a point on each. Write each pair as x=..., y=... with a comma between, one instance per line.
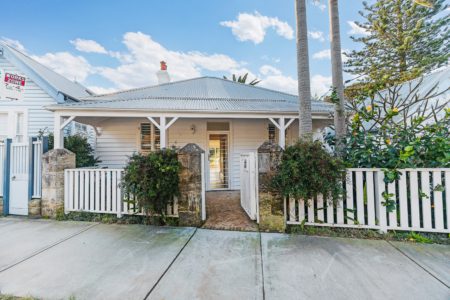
x=32, y=105
x=120, y=139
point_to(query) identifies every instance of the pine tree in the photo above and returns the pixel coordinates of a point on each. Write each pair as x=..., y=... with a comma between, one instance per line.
x=404, y=41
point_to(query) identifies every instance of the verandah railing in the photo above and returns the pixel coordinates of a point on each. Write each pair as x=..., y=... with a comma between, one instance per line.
x=421, y=196
x=99, y=191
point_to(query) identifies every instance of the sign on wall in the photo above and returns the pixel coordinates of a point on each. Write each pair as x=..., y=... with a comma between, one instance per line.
x=11, y=85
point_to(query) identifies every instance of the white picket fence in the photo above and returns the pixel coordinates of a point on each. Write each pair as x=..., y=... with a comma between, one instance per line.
x=37, y=168
x=99, y=191
x=422, y=199
x=20, y=161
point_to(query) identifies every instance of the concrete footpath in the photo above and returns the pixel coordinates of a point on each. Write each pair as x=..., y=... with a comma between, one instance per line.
x=81, y=260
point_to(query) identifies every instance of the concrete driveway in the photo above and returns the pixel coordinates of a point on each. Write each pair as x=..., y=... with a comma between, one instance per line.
x=58, y=260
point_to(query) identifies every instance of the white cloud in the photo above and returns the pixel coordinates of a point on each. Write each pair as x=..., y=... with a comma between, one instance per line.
x=71, y=66
x=14, y=43
x=316, y=35
x=253, y=27
x=269, y=70
x=355, y=29
x=326, y=54
x=140, y=63
x=320, y=85
x=319, y=4
x=101, y=90
x=88, y=46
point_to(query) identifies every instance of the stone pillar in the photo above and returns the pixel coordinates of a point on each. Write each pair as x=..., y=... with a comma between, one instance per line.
x=271, y=207
x=190, y=200
x=54, y=163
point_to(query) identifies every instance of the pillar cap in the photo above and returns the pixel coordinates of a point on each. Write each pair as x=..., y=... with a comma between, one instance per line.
x=191, y=148
x=269, y=147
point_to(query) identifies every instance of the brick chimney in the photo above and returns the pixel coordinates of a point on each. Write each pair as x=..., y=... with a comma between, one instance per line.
x=162, y=74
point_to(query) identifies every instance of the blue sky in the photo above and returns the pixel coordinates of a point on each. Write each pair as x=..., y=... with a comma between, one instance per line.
x=110, y=45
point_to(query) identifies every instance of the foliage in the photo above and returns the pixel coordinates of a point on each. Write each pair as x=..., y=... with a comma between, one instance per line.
x=405, y=39
x=243, y=79
x=78, y=144
x=306, y=170
x=393, y=131
x=153, y=180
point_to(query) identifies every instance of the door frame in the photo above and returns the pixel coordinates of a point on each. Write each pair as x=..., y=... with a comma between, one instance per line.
x=228, y=133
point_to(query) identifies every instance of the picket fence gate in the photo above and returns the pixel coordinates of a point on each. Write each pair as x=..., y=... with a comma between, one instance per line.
x=422, y=198
x=24, y=158
x=99, y=191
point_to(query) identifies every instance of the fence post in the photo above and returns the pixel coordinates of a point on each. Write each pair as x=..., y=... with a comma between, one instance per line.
x=54, y=162
x=6, y=176
x=34, y=205
x=271, y=206
x=190, y=200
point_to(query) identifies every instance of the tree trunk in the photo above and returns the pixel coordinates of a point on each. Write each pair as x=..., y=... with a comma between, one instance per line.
x=304, y=85
x=337, y=77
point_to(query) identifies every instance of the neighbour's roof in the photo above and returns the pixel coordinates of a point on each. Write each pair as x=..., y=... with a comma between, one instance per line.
x=58, y=82
x=199, y=94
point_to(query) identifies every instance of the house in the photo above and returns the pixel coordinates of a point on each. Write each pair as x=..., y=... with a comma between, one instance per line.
x=223, y=117
x=26, y=87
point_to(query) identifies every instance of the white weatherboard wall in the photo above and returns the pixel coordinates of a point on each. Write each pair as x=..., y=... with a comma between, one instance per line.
x=32, y=104
x=120, y=138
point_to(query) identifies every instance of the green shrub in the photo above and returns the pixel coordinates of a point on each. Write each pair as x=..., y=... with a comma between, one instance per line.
x=306, y=170
x=78, y=144
x=153, y=180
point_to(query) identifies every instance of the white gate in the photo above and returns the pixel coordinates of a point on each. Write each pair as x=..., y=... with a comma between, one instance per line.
x=249, y=184
x=19, y=179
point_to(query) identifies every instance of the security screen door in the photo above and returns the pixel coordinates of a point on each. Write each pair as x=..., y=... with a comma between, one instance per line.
x=218, y=161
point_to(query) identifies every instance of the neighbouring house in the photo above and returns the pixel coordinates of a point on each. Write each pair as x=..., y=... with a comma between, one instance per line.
x=223, y=117
x=26, y=87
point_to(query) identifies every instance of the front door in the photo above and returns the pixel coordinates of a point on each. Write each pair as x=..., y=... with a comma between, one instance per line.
x=218, y=161
x=18, y=196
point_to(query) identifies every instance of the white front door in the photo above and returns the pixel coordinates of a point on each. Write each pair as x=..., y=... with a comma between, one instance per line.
x=19, y=172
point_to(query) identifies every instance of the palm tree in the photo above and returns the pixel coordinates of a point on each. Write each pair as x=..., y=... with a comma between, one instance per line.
x=337, y=77
x=304, y=84
x=243, y=79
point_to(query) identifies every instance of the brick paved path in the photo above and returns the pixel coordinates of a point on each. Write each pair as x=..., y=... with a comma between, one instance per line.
x=224, y=211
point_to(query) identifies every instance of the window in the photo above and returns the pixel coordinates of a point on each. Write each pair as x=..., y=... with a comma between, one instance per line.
x=3, y=125
x=20, y=127
x=150, y=137
x=272, y=133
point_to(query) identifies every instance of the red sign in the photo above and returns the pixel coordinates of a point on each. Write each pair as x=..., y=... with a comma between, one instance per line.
x=15, y=79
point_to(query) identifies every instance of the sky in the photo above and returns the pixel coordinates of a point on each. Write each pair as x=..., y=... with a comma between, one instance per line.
x=116, y=45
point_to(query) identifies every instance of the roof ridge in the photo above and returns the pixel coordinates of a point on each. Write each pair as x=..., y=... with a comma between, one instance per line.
x=148, y=87
x=17, y=52
x=191, y=79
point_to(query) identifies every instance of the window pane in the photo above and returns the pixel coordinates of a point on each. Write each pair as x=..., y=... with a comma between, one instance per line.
x=157, y=139
x=272, y=131
x=146, y=136
x=19, y=125
x=3, y=125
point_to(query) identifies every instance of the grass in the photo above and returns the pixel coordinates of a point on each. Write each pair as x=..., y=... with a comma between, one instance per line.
x=10, y=297
x=428, y=238
x=113, y=219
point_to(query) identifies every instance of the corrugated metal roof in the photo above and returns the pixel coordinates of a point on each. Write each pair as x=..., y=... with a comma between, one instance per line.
x=199, y=94
x=57, y=81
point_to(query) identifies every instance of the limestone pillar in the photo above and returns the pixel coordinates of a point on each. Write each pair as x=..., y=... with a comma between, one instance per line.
x=271, y=207
x=190, y=200
x=54, y=163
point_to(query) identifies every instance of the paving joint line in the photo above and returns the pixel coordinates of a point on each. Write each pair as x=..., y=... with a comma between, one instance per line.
x=47, y=247
x=419, y=265
x=262, y=265
x=170, y=265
